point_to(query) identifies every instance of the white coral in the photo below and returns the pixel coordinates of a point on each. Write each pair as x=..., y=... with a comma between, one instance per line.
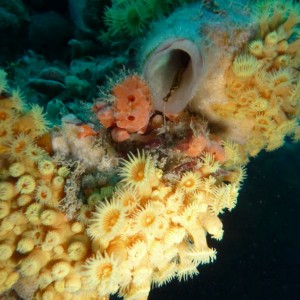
x=67, y=143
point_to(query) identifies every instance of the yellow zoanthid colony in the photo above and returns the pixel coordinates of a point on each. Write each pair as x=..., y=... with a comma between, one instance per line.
x=40, y=248
x=148, y=233
x=68, y=232
x=153, y=232
x=263, y=84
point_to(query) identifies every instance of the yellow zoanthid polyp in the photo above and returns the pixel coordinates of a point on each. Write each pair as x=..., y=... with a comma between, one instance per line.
x=18, y=146
x=32, y=122
x=244, y=66
x=34, y=262
x=73, y=283
x=256, y=48
x=60, y=270
x=149, y=222
x=106, y=221
x=139, y=172
x=33, y=212
x=63, y=171
x=25, y=245
x=209, y=164
x=17, y=169
x=6, y=250
x=43, y=194
x=24, y=200
x=46, y=168
x=51, y=217
x=77, y=227
x=190, y=182
x=77, y=250
x=12, y=278
x=7, y=191
x=4, y=209
x=26, y=184
x=52, y=239
x=44, y=279
x=103, y=273
x=128, y=196
x=271, y=38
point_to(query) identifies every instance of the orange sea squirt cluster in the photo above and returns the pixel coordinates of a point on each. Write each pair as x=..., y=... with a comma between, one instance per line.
x=194, y=146
x=132, y=108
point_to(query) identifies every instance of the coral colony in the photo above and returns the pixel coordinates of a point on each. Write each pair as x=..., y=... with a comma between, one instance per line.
x=125, y=202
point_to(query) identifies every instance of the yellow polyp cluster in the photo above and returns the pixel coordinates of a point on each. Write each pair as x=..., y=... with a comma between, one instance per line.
x=262, y=86
x=36, y=239
x=163, y=234
x=20, y=132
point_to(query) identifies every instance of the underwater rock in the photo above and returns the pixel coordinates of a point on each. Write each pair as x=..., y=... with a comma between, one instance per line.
x=41, y=29
x=56, y=109
x=51, y=81
x=8, y=20
x=53, y=73
x=16, y=7
x=86, y=14
x=71, y=119
x=80, y=48
x=76, y=8
x=95, y=69
x=83, y=67
x=77, y=87
x=50, y=88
